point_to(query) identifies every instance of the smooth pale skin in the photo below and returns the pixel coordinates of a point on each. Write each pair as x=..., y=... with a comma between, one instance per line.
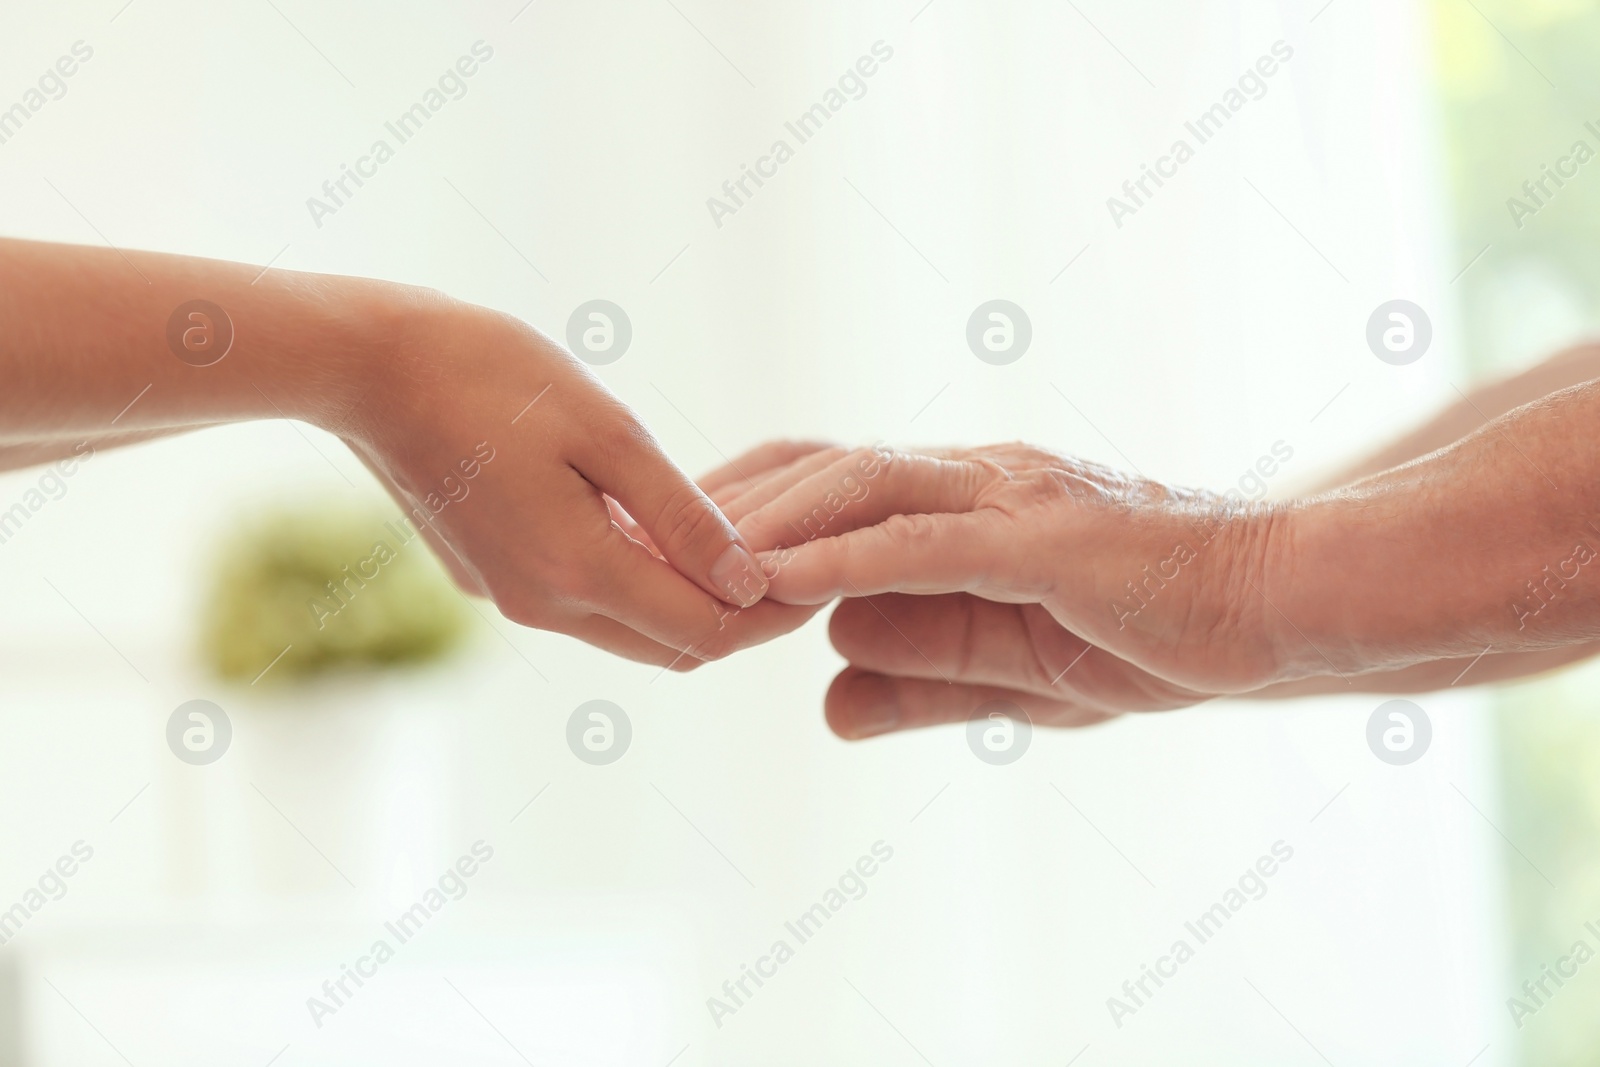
x=995, y=573
x=581, y=524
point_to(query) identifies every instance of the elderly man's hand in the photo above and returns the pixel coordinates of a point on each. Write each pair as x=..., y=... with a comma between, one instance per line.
x=1079, y=592
x=1015, y=573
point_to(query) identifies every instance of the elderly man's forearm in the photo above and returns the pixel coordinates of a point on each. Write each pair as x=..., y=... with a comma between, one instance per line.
x=1569, y=367
x=1460, y=673
x=1491, y=544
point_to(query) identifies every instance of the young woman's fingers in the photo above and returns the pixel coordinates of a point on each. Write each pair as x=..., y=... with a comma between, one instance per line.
x=862, y=704
x=904, y=554
x=863, y=489
x=758, y=625
x=750, y=465
x=646, y=594
x=620, y=640
x=625, y=462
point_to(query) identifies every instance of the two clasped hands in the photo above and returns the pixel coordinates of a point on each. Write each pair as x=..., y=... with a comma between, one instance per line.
x=965, y=575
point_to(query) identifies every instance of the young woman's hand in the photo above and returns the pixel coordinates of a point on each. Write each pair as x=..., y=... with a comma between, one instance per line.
x=538, y=487
x=549, y=495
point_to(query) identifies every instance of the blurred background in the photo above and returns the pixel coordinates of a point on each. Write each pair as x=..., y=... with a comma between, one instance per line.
x=1221, y=320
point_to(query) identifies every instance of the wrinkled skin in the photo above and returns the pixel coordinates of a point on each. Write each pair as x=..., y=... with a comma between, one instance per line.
x=962, y=574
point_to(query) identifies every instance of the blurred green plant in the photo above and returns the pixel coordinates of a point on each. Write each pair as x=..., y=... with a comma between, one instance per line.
x=1516, y=88
x=1517, y=93
x=327, y=585
x=1549, y=747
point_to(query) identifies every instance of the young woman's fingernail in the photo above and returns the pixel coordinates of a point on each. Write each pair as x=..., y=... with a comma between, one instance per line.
x=737, y=574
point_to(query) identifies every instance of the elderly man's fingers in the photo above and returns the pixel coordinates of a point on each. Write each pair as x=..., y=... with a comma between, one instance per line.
x=956, y=637
x=862, y=489
x=782, y=474
x=904, y=554
x=739, y=473
x=627, y=525
x=753, y=494
x=962, y=638
x=862, y=704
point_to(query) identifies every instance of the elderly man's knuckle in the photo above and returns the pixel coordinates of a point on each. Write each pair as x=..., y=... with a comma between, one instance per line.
x=904, y=529
x=1054, y=483
x=799, y=446
x=980, y=480
x=985, y=469
x=826, y=457
x=858, y=456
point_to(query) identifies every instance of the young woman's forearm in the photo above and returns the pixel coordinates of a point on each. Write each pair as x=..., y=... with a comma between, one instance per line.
x=98, y=342
x=1491, y=544
x=435, y=395
x=49, y=449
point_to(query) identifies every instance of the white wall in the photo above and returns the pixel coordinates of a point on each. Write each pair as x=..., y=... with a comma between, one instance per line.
x=1212, y=324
